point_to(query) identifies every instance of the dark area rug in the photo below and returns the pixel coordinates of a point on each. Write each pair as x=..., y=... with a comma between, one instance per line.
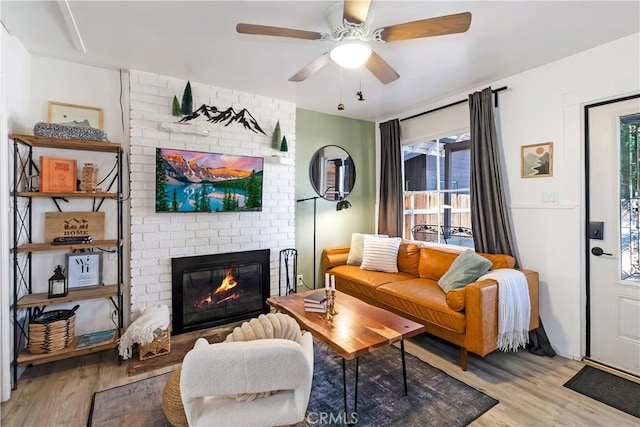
x=435, y=398
x=612, y=390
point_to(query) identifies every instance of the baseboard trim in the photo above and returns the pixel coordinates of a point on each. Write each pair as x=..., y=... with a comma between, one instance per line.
x=611, y=370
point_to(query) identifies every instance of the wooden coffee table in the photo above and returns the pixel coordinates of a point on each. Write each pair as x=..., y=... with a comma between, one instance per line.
x=358, y=329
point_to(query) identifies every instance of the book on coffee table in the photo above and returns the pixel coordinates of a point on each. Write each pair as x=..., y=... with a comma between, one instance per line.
x=321, y=309
x=316, y=297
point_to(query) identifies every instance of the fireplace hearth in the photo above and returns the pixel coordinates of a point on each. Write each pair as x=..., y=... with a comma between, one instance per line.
x=212, y=290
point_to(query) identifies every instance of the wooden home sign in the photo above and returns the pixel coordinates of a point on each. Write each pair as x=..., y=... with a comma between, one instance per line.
x=70, y=224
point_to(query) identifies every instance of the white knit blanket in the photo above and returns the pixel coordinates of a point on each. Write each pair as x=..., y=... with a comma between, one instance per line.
x=142, y=330
x=514, y=308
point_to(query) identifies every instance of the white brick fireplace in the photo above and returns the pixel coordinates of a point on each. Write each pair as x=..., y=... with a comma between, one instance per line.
x=156, y=238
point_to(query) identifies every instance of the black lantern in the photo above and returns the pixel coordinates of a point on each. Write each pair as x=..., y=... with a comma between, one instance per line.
x=58, y=283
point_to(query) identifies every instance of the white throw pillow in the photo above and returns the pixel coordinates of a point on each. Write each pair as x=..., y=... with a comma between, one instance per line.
x=380, y=254
x=357, y=247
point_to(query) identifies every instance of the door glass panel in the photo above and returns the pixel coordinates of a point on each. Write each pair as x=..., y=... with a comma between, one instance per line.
x=629, y=197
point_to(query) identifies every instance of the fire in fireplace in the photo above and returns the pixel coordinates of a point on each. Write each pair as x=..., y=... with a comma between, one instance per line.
x=212, y=290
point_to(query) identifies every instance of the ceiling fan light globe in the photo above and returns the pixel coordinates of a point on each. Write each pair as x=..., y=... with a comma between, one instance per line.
x=350, y=54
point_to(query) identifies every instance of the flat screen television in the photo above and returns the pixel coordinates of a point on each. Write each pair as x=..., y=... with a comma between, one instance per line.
x=195, y=181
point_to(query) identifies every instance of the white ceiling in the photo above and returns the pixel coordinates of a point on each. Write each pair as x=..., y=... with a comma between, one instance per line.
x=198, y=41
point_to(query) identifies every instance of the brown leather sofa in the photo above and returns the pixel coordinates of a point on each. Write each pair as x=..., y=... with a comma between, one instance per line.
x=467, y=317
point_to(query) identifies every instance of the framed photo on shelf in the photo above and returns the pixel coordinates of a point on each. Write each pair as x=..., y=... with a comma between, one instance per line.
x=75, y=115
x=84, y=269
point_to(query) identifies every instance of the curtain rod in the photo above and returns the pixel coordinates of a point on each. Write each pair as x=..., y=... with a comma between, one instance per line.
x=462, y=101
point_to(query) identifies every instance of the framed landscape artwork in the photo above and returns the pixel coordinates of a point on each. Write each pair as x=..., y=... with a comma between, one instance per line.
x=194, y=181
x=537, y=160
x=75, y=115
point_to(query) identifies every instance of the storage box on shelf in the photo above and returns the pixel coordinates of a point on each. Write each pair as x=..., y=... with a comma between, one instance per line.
x=28, y=303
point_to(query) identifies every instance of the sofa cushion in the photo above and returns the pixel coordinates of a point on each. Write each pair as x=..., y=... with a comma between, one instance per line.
x=356, y=248
x=380, y=254
x=422, y=298
x=408, y=258
x=355, y=281
x=466, y=268
x=455, y=299
x=499, y=260
x=435, y=262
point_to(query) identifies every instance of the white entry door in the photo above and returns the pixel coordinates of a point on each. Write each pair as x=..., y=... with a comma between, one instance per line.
x=614, y=243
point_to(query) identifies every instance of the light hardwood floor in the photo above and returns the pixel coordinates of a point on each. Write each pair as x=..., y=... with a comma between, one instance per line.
x=528, y=387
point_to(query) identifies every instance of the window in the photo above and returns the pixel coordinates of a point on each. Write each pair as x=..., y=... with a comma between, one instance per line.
x=436, y=190
x=630, y=197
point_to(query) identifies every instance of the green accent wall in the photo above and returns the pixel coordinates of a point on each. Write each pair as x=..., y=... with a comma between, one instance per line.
x=333, y=228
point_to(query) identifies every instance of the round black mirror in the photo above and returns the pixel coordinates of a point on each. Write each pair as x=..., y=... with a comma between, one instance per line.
x=332, y=173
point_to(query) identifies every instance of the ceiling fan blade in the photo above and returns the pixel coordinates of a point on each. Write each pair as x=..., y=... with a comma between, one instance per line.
x=449, y=24
x=311, y=68
x=381, y=69
x=264, y=30
x=355, y=11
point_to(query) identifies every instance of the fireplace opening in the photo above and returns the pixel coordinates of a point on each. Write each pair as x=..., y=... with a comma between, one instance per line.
x=212, y=290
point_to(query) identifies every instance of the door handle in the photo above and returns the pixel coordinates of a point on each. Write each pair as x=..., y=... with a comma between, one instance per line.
x=597, y=251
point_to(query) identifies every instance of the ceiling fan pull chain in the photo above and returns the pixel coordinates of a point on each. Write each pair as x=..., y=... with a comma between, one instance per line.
x=340, y=105
x=359, y=93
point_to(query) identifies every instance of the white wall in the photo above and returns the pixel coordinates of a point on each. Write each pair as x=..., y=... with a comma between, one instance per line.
x=158, y=237
x=62, y=81
x=545, y=104
x=29, y=83
x=15, y=64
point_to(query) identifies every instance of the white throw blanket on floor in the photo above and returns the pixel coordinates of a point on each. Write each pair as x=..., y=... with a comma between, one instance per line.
x=514, y=308
x=142, y=330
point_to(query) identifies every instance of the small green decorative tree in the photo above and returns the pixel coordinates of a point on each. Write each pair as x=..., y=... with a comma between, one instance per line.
x=284, y=146
x=176, y=110
x=187, y=100
x=277, y=136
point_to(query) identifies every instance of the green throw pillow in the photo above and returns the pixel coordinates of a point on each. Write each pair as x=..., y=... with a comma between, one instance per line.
x=466, y=268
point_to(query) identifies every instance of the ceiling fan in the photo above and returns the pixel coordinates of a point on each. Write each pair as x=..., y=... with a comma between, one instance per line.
x=351, y=29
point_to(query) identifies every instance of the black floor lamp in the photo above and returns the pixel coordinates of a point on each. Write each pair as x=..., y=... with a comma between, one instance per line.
x=342, y=204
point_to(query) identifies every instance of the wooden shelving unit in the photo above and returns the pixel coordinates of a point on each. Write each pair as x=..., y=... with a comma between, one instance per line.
x=40, y=247
x=26, y=358
x=25, y=300
x=75, y=194
x=78, y=294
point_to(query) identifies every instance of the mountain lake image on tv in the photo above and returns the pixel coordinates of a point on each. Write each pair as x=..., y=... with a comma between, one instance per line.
x=194, y=181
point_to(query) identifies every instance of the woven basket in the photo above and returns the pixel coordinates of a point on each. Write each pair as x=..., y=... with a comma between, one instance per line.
x=160, y=346
x=172, y=401
x=51, y=331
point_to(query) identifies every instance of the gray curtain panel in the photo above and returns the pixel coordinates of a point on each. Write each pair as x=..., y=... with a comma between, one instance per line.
x=491, y=227
x=390, y=213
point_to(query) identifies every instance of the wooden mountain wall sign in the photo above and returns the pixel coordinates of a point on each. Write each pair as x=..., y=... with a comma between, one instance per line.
x=227, y=117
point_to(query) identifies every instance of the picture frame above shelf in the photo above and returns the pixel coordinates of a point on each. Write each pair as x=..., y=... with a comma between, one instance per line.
x=75, y=115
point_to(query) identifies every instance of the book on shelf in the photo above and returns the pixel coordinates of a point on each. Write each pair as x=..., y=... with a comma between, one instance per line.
x=96, y=338
x=316, y=297
x=57, y=175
